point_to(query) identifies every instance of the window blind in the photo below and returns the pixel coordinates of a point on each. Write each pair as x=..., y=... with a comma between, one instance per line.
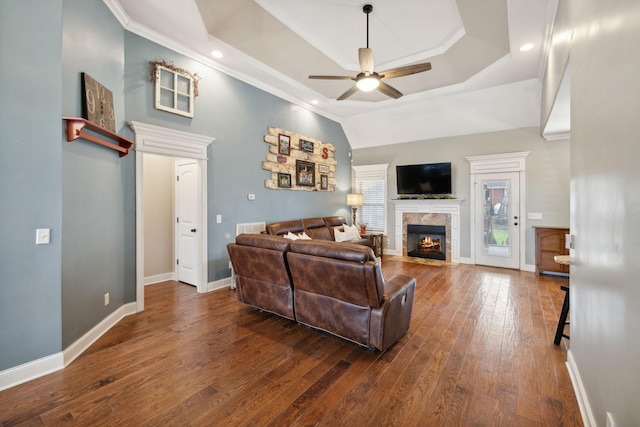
x=372, y=210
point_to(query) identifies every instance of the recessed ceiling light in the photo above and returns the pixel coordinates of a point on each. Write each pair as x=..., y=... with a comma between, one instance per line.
x=216, y=54
x=314, y=102
x=527, y=46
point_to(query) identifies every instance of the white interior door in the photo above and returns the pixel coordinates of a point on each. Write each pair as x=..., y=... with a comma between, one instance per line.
x=497, y=219
x=188, y=219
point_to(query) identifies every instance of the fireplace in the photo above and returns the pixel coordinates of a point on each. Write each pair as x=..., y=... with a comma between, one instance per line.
x=444, y=212
x=427, y=241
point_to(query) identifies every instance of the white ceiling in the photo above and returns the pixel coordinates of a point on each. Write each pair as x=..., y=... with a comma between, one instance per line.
x=480, y=80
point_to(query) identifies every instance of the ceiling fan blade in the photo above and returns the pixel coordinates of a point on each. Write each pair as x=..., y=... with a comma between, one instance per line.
x=348, y=93
x=365, y=56
x=332, y=77
x=389, y=91
x=406, y=71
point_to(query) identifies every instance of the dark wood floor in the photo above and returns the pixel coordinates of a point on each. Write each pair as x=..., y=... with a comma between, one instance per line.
x=479, y=352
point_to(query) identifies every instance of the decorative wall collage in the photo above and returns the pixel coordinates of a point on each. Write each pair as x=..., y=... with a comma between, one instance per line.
x=298, y=162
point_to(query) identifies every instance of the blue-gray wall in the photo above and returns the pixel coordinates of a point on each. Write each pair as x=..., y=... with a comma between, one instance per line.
x=30, y=183
x=51, y=295
x=237, y=115
x=98, y=187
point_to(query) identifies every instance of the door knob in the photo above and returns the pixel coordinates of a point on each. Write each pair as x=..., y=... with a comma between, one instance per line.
x=193, y=230
x=515, y=217
x=515, y=223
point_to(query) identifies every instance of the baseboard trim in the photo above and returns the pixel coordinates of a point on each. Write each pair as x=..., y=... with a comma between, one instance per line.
x=80, y=345
x=55, y=362
x=31, y=370
x=219, y=284
x=159, y=278
x=529, y=267
x=581, y=395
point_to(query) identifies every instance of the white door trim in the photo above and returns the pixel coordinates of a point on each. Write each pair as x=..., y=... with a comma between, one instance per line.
x=497, y=163
x=158, y=140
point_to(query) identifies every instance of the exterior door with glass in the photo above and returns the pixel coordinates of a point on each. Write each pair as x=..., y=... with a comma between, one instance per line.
x=497, y=219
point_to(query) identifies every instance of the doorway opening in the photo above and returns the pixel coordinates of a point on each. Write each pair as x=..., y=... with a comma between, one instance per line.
x=152, y=139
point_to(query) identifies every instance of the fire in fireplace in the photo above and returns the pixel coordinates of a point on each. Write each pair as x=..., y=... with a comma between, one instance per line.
x=427, y=241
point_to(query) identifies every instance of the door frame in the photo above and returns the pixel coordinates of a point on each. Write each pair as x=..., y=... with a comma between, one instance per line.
x=169, y=142
x=498, y=163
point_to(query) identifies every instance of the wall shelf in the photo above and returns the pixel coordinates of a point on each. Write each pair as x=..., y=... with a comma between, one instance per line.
x=75, y=126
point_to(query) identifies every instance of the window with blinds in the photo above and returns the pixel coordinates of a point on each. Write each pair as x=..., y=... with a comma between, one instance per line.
x=372, y=210
x=371, y=182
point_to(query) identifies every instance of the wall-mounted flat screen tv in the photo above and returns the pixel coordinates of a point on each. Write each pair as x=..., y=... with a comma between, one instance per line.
x=425, y=179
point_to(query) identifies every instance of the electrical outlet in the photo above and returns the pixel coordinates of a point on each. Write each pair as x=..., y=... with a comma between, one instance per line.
x=251, y=196
x=533, y=215
x=106, y=298
x=218, y=219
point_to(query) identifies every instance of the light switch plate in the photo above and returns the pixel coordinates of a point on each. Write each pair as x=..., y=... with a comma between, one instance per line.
x=43, y=236
x=533, y=215
x=218, y=219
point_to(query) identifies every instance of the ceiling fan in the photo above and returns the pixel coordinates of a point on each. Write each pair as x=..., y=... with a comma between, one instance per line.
x=368, y=80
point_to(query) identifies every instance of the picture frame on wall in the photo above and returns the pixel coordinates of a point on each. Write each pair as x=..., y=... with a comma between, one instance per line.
x=97, y=103
x=284, y=180
x=284, y=144
x=324, y=182
x=306, y=146
x=323, y=169
x=305, y=173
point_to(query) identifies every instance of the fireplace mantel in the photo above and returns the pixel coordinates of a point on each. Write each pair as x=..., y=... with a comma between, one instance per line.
x=442, y=206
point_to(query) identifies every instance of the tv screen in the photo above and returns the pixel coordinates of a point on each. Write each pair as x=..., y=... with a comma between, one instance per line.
x=425, y=179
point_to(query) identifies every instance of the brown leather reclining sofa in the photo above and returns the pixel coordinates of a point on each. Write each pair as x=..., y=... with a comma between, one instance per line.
x=335, y=287
x=316, y=228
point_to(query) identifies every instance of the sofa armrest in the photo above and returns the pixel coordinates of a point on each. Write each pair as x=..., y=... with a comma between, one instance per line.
x=391, y=320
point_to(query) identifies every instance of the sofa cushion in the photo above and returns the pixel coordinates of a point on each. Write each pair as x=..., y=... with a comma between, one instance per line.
x=346, y=251
x=316, y=229
x=281, y=228
x=263, y=241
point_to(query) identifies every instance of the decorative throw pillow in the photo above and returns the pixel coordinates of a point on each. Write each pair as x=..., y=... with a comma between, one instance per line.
x=291, y=236
x=303, y=236
x=356, y=232
x=350, y=233
x=342, y=236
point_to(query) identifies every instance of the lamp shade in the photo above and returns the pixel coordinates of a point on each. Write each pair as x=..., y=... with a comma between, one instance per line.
x=354, y=199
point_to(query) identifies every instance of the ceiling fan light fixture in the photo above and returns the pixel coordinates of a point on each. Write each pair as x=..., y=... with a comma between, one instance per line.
x=368, y=83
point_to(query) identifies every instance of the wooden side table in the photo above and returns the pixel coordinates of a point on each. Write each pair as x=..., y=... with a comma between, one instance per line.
x=376, y=241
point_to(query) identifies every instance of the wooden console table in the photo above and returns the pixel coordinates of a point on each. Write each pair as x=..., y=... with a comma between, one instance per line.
x=550, y=241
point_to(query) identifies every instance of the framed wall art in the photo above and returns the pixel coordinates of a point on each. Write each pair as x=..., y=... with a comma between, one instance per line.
x=284, y=144
x=97, y=103
x=305, y=173
x=323, y=169
x=284, y=180
x=306, y=146
x=324, y=182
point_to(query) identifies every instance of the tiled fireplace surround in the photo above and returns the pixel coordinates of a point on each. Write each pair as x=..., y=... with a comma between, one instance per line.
x=433, y=212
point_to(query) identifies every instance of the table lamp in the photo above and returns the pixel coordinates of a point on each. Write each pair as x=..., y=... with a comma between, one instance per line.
x=354, y=200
